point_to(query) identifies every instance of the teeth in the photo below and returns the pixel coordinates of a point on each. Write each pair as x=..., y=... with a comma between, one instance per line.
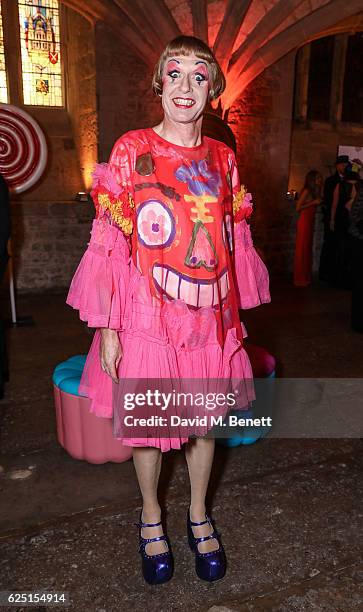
x=189, y=293
x=171, y=283
x=183, y=102
x=206, y=294
x=223, y=285
x=195, y=294
x=158, y=275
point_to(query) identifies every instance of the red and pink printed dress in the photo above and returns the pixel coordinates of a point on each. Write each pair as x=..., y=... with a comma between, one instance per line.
x=169, y=263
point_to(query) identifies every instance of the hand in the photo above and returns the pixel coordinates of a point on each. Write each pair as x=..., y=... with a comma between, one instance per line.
x=110, y=352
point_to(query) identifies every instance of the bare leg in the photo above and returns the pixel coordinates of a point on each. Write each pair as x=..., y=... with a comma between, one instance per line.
x=147, y=462
x=199, y=454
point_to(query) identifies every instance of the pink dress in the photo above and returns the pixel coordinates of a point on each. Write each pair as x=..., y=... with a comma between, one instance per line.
x=169, y=263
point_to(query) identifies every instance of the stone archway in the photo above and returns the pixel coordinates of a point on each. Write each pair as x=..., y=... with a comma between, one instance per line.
x=314, y=25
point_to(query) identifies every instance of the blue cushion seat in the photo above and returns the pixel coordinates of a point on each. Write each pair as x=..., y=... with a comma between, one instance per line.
x=67, y=375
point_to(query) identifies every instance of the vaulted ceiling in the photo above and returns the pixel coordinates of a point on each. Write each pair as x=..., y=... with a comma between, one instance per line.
x=247, y=36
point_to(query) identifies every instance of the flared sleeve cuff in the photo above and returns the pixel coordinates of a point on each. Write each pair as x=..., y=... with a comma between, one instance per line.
x=251, y=273
x=101, y=286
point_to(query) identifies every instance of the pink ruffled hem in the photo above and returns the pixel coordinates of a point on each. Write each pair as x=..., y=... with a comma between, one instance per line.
x=163, y=444
x=251, y=273
x=157, y=360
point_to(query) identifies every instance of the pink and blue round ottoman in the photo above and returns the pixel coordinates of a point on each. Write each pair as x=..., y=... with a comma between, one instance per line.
x=81, y=433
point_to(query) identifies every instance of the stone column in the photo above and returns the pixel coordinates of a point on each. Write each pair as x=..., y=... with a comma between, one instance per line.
x=337, y=83
x=302, y=83
x=12, y=52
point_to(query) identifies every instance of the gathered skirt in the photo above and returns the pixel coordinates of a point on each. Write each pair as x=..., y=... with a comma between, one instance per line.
x=180, y=348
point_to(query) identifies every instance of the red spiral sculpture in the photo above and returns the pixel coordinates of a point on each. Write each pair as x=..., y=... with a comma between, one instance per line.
x=23, y=148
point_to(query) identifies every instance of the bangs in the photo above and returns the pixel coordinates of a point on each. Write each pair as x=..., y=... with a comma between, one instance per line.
x=188, y=45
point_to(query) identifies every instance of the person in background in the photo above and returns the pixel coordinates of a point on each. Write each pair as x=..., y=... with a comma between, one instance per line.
x=306, y=206
x=327, y=257
x=4, y=237
x=356, y=247
x=344, y=195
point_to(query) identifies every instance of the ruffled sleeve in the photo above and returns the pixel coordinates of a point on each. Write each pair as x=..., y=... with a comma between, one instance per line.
x=251, y=273
x=101, y=286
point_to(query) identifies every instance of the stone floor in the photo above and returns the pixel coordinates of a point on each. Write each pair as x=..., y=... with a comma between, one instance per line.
x=289, y=511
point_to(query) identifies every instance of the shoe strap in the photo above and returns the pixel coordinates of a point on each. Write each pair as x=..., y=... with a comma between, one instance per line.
x=201, y=522
x=212, y=536
x=143, y=542
x=157, y=539
x=140, y=524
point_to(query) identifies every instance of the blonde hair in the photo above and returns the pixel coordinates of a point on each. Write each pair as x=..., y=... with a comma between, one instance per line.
x=190, y=45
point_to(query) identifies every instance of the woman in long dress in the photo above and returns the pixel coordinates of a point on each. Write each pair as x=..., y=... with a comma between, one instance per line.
x=170, y=261
x=309, y=200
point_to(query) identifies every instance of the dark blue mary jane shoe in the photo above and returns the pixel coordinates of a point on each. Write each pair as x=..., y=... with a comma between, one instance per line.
x=158, y=568
x=209, y=566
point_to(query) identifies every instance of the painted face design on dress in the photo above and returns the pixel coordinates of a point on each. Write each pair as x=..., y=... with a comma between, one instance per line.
x=185, y=88
x=181, y=246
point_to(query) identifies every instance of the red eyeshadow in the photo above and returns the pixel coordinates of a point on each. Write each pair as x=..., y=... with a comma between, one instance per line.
x=172, y=65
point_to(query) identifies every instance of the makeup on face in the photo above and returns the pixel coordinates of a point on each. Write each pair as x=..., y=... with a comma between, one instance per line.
x=175, y=70
x=185, y=88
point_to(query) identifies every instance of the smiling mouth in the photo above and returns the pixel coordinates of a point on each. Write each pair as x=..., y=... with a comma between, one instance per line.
x=195, y=292
x=184, y=102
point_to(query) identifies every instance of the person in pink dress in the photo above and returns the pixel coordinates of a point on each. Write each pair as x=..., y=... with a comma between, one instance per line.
x=170, y=262
x=309, y=200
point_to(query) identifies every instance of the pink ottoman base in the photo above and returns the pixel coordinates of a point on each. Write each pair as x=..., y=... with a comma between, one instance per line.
x=82, y=434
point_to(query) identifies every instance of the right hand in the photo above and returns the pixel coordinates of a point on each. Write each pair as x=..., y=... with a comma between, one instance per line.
x=110, y=352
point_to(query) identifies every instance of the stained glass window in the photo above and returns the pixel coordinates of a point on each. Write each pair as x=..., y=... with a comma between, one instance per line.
x=3, y=85
x=40, y=52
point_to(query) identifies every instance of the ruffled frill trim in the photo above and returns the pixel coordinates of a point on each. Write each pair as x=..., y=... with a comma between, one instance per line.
x=251, y=273
x=103, y=282
x=112, y=198
x=242, y=205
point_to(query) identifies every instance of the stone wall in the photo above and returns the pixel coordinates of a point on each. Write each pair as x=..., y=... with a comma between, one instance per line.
x=124, y=95
x=314, y=146
x=49, y=240
x=261, y=122
x=81, y=91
